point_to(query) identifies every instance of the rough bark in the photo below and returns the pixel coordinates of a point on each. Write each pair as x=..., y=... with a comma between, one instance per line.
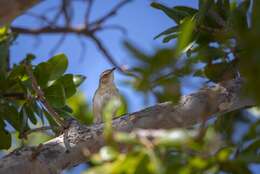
x=66, y=150
x=10, y=9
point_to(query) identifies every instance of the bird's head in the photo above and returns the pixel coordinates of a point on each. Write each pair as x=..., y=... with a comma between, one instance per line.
x=107, y=76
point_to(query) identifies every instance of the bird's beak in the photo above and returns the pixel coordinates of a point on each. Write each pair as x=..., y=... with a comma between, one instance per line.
x=113, y=69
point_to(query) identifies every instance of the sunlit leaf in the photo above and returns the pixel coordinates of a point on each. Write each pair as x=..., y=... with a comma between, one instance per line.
x=185, y=36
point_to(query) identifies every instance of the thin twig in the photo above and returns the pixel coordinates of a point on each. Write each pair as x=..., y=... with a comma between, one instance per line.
x=111, y=27
x=41, y=97
x=83, y=48
x=41, y=17
x=88, y=10
x=58, y=44
x=64, y=9
x=14, y=95
x=105, y=52
x=111, y=13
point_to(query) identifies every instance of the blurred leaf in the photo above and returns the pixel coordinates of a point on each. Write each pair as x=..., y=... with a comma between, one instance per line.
x=30, y=113
x=175, y=138
x=220, y=71
x=108, y=114
x=50, y=119
x=80, y=107
x=138, y=54
x=175, y=14
x=168, y=31
x=185, y=36
x=10, y=114
x=63, y=112
x=253, y=147
x=126, y=138
x=6, y=140
x=198, y=163
x=224, y=154
x=6, y=39
x=169, y=37
x=108, y=153
x=17, y=72
x=235, y=167
x=191, y=11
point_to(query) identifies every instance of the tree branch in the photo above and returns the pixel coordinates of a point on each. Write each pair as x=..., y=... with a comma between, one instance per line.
x=50, y=30
x=88, y=29
x=111, y=13
x=54, y=157
x=105, y=52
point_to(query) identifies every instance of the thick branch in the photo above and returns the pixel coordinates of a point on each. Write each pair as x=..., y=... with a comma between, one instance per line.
x=54, y=156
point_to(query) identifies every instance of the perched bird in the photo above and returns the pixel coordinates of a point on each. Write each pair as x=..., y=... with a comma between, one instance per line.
x=106, y=92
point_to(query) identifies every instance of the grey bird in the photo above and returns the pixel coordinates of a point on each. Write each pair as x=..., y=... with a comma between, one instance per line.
x=106, y=92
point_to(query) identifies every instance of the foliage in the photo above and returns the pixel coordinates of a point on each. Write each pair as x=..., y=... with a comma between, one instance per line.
x=178, y=151
x=20, y=104
x=216, y=42
x=81, y=109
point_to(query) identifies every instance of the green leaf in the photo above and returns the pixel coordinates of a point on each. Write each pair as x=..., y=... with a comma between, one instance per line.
x=198, y=73
x=50, y=119
x=55, y=95
x=108, y=153
x=78, y=80
x=168, y=31
x=18, y=71
x=67, y=109
x=38, y=110
x=10, y=114
x=64, y=113
x=4, y=54
x=185, y=36
x=29, y=58
x=30, y=113
x=58, y=65
x=24, y=119
x=220, y=71
x=170, y=37
x=6, y=138
x=42, y=73
x=191, y=11
x=176, y=15
x=68, y=84
x=137, y=53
